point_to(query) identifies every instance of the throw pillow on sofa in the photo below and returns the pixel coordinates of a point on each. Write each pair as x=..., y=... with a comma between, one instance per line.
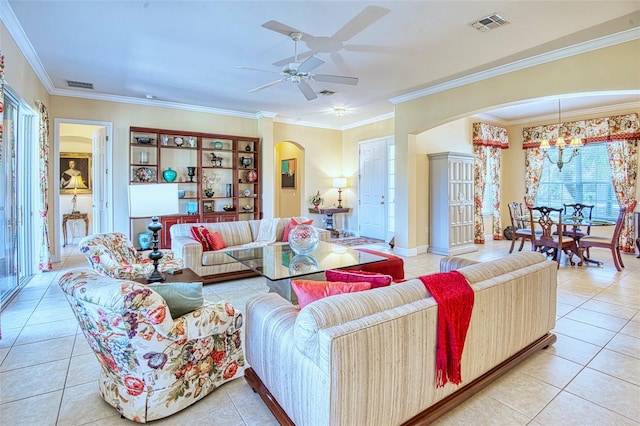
x=310, y=291
x=292, y=224
x=216, y=241
x=202, y=235
x=375, y=279
x=181, y=298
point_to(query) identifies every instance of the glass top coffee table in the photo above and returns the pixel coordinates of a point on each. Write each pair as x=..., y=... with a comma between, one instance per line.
x=279, y=264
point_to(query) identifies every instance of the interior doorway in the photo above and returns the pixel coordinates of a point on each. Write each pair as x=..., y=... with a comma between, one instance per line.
x=376, y=189
x=83, y=205
x=289, y=181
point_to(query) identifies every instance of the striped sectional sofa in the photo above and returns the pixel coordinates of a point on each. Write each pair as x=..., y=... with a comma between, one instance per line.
x=368, y=358
x=215, y=266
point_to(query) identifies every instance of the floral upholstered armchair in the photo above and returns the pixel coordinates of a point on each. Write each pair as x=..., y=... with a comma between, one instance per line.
x=152, y=365
x=113, y=255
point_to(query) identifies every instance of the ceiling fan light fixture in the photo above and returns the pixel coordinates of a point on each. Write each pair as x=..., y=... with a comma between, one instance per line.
x=340, y=111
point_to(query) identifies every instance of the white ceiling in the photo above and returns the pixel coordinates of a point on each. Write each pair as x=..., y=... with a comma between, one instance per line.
x=187, y=52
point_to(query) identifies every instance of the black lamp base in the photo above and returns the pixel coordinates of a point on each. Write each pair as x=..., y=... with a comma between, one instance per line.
x=155, y=254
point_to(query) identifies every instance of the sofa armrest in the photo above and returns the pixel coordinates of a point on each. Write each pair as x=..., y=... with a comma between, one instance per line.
x=267, y=314
x=209, y=319
x=451, y=263
x=324, y=235
x=190, y=251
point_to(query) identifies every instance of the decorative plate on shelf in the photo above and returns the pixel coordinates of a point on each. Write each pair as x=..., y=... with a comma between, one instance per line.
x=251, y=176
x=247, y=193
x=145, y=174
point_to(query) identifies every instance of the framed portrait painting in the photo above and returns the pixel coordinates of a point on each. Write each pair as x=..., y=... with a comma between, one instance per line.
x=288, y=173
x=75, y=172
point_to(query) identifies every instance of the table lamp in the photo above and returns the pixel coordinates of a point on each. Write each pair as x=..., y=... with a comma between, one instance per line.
x=339, y=182
x=75, y=182
x=154, y=200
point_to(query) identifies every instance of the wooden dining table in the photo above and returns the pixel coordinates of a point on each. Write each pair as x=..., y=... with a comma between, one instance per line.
x=576, y=222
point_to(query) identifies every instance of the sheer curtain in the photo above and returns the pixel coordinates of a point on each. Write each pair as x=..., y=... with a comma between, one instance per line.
x=488, y=143
x=45, y=246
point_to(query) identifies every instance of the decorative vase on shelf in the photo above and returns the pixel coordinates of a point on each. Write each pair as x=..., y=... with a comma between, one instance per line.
x=169, y=175
x=247, y=148
x=218, y=145
x=303, y=239
x=209, y=192
x=180, y=193
x=191, y=172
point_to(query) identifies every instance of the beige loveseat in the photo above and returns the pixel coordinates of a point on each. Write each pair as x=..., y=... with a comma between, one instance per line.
x=214, y=266
x=368, y=358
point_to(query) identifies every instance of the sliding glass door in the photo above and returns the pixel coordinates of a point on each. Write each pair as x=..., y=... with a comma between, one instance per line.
x=17, y=160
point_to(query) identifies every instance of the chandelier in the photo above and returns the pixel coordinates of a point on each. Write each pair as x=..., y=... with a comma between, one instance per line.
x=575, y=143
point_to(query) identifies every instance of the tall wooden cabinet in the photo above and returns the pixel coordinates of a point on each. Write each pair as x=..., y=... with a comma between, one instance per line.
x=451, y=203
x=218, y=176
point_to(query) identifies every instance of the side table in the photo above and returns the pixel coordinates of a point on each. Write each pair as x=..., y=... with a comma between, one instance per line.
x=74, y=216
x=329, y=212
x=187, y=276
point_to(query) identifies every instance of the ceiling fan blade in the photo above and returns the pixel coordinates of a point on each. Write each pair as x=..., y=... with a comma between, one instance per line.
x=240, y=67
x=281, y=28
x=307, y=90
x=368, y=16
x=264, y=86
x=311, y=63
x=341, y=79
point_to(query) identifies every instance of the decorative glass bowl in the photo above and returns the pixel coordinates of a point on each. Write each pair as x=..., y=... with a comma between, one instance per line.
x=302, y=264
x=303, y=239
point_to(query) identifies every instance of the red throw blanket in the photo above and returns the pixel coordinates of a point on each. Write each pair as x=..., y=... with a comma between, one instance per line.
x=455, y=304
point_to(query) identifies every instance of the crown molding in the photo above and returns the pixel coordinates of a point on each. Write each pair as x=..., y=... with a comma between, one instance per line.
x=369, y=121
x=588, y=46
x=10, y=21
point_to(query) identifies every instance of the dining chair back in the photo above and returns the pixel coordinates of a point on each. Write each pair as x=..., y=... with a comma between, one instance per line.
x=546, y=229
x=521, y=227
x=579, y=211
x=612, y=243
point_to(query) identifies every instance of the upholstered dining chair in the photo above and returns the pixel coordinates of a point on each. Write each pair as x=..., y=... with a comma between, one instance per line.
x=155, y=360
x=521, y=227
x=546, y=229
x=578, y=211
x=612, y=243
x=113, y=255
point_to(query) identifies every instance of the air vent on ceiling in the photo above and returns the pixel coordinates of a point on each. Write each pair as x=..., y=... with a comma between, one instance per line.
x=489, y=22
x=326, y=92
x=79, y=84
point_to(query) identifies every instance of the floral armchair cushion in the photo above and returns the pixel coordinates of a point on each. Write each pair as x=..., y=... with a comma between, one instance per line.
x=113, y=255
x=151, y=365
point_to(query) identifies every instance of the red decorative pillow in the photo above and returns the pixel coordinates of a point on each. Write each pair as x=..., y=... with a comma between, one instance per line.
x=202, y=234
x=310, y=291
x=285, y=233
x=294, y=222
x=375, y=279
x=216, y=241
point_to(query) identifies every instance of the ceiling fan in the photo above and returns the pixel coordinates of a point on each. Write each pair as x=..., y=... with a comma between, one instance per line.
x=299, y=73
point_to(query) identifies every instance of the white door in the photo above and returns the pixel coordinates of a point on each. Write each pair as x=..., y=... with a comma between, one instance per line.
x=100, y=178
x=372, y=189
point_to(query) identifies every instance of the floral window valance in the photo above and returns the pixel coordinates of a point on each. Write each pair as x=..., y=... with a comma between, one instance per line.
x=605, y=129
x=489, y=135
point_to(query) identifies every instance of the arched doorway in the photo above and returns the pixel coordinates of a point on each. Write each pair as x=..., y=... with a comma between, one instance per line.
x=290, y=167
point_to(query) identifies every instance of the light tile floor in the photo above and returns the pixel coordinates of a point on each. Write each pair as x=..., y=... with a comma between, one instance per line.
x=590, y=376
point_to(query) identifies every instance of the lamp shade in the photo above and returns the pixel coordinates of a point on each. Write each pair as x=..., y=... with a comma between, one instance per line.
x=153, y=200
x=76, y=182
x=339, y=182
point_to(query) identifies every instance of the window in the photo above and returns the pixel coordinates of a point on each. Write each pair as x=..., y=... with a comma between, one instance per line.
x=586, y=179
